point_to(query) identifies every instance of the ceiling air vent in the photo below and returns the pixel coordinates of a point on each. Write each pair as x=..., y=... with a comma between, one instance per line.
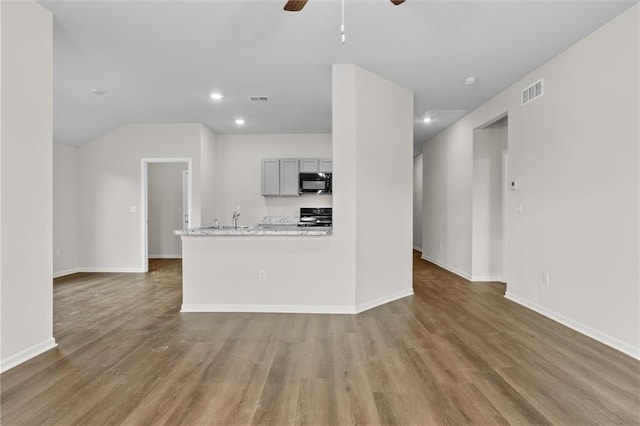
x=532, y=92
x=258, y=98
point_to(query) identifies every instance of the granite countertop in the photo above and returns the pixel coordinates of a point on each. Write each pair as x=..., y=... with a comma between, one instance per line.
x=259, y=230
x=280, y=220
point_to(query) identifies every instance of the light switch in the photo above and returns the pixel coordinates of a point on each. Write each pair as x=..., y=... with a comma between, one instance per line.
x=133, y=209
x=513, y=185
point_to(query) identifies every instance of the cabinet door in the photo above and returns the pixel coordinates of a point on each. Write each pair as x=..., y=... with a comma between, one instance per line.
x=289, y=171
x=325, y=166
x=270, y=176
x=308, y=165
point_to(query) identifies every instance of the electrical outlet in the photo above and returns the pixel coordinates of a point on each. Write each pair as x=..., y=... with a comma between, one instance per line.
x=545, y=278
x=262, y=274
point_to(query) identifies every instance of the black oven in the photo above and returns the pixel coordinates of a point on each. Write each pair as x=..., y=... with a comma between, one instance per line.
x=315, y=183
x=316, y=216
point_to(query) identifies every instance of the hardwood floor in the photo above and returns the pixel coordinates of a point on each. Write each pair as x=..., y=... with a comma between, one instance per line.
x=455, y=353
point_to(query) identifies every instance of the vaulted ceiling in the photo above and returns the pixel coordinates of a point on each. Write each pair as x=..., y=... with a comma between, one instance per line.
x=158, y=61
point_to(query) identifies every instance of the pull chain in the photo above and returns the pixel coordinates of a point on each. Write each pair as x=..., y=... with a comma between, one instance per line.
x=342, y=26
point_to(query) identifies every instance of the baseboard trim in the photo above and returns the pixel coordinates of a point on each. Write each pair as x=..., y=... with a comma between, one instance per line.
x=297, y=309
x=66, y=272
x=165, y=256
x=282, y=309
x=27, y=354
x=485, y=279
x=419, y=249
x=113, y=270
x=382, y=300
x=448, y=268
x=604, y=338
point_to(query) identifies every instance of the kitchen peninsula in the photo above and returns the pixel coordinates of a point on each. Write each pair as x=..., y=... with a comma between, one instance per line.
x=262, y=268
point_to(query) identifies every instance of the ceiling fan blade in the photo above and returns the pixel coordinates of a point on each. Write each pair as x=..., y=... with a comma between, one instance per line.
x=397, y=2
x=296, y=5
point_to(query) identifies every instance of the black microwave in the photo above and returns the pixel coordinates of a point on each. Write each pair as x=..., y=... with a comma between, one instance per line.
x=315, y=183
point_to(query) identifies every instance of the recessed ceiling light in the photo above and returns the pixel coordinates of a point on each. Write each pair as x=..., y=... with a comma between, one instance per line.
x=239, y=121
x=98, y=91
x=427, y=120
x=216, y=96
x=470, y=80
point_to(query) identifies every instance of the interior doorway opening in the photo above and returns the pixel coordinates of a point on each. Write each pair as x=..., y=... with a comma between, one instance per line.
x=166, y=205
x=489, y=225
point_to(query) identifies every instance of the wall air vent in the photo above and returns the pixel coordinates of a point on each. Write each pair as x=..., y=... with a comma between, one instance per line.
x=258, y=98
x=532, y=92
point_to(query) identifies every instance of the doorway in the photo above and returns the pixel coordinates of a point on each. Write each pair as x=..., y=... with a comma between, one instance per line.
x=166, y=188
x=490, y=162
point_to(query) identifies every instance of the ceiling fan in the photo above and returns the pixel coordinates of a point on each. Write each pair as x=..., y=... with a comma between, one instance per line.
x=297, y=5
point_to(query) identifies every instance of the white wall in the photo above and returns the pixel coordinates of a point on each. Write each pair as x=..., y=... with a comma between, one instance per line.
x=26, y=168
x=238, y=174
x=378, y=254
x=447, y=198
x=65, y=210
x=575, y=154
x=384, y=176
x=165, y=209
x=343, y=128
x=488, y=145
x=109, y=183
x=417, y=202
x=1, y=191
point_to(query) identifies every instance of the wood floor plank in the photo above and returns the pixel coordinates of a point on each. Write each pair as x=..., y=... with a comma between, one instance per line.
x=454, y=353
x=354, y=397
x=473, y=405
x=317, y=403
x=513, y=407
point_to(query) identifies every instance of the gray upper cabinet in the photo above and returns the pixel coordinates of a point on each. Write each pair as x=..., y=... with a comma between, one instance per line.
x=270, y=176
x=280, y=175
x=289, y=170
x=325, y=166
x=314, y=165
x=308, y=165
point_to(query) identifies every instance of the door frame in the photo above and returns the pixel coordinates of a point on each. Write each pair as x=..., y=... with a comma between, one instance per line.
x=186, y=199
x=144, y=202
x=505, y=214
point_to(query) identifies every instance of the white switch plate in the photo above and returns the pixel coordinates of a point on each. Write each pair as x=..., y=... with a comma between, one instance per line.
x=513, y=185
x=133, y=209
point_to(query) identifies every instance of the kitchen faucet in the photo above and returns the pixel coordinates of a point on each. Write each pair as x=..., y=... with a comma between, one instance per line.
x=234, y=218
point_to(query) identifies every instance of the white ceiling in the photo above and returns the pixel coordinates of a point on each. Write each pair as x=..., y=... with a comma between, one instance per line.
x=159, y=60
